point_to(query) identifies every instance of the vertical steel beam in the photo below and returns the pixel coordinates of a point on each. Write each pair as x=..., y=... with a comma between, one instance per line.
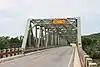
x=39, y=40
x=47, y=37
x=26, y=34
x=41, y=37
x=66, y=42
x=61, y=41
x=52, y=38
x=36, y=36
x=30, y=39
x=64, y=39
x=58, y=39
x=55, y=39
x=79, y=31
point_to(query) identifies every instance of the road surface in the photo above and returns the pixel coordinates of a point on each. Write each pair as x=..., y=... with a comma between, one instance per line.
x=54, y=57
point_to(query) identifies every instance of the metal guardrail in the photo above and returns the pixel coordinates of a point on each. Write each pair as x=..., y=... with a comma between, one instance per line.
x=86, y=61
x=17, y=51
x=10, y=52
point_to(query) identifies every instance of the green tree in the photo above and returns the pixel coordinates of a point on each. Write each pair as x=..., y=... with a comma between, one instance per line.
x=91, y=46
x=4, y=42
x=15, y=42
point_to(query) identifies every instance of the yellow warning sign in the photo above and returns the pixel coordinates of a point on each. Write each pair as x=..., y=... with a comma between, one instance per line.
x=58, y=21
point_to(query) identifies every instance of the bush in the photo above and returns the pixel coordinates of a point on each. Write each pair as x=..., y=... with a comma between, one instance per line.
x=91, y=47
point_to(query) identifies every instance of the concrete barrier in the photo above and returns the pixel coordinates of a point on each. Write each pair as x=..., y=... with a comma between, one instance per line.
x=86, y=61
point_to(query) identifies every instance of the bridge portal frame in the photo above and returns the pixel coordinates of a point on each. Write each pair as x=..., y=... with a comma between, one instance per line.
x=46, y=27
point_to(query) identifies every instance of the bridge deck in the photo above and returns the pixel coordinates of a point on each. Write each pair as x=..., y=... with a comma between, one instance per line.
x=54, y=57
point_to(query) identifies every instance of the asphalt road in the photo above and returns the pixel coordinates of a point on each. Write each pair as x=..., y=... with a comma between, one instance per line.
x=54, y=57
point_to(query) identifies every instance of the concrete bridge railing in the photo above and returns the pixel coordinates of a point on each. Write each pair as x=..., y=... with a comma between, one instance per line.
x=10, y=52
x=85, y=60
x=4, y=53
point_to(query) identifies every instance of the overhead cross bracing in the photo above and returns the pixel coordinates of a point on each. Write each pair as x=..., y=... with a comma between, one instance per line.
x=50, y=34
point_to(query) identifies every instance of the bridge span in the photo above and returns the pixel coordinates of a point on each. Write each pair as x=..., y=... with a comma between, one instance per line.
x=51, y=41
x=54, y=57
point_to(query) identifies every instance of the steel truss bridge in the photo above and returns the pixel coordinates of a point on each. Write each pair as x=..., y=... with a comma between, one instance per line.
x=49, y=43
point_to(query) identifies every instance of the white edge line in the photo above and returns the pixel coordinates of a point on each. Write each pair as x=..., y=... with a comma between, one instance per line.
x=70, y=61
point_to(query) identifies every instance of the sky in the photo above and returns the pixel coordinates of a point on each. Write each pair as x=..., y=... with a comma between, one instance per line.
x=14, y=14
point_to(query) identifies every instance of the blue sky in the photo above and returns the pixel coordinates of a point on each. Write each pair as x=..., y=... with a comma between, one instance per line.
x=14, y=13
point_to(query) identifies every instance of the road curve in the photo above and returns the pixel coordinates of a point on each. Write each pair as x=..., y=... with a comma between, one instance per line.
x=54, y=57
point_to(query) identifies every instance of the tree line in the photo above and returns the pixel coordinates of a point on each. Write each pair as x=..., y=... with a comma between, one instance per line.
x=91, y=46
x=10, y=42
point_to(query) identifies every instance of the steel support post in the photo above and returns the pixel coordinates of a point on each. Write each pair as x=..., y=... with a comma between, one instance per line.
x=79, y=31
x=29, y=39
x=66, y=41
x=43, y=36
x=52, y=39
x=49, y=43
x=41, y=40
x=63, y=41
x=26, y=35
x=36, y=36
x=60, y=41
x=57, y=39
x=47, y=38
x=32, y=37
